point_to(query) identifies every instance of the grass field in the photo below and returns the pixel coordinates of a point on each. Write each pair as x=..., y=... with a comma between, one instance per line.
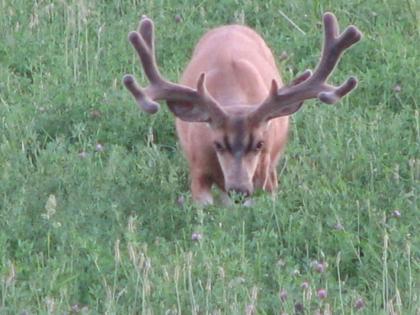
x=95, y=209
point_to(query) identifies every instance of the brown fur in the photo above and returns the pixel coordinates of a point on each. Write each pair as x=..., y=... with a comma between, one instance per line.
x=239, y=74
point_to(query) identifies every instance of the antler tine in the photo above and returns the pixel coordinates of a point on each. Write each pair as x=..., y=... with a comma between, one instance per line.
x=331, y=27
x=143, y=42
x=306, y=86
x=336, y=93
x=147, y=31
x=140, y=96
x=146, y=52
x=302, y=77
x=334, y=46
x=185, y=102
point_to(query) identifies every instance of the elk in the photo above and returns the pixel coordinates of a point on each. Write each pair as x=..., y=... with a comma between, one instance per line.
x=231, y=107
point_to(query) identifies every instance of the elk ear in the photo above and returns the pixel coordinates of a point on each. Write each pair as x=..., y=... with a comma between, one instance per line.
x=206, y=109
x=282, y=111
x=188, y=111
x=266, y=111
x=292, y=108
x=285, y=111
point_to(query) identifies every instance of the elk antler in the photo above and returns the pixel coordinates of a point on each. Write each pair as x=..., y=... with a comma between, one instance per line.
x=185, y=102
x=287, y=100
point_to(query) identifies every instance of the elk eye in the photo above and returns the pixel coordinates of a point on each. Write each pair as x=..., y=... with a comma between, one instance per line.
x=219, y=147
x=259, y=146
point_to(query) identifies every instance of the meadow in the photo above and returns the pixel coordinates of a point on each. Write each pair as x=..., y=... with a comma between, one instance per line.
x=95, y=210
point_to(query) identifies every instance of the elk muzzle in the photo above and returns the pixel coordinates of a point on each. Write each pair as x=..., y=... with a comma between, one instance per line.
x=238, y=177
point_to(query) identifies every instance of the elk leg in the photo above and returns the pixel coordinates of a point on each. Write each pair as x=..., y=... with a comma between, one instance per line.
x=273, y=179
x=201, y=189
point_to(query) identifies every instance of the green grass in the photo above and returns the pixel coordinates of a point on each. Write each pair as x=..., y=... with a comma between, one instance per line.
x=100, y=232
